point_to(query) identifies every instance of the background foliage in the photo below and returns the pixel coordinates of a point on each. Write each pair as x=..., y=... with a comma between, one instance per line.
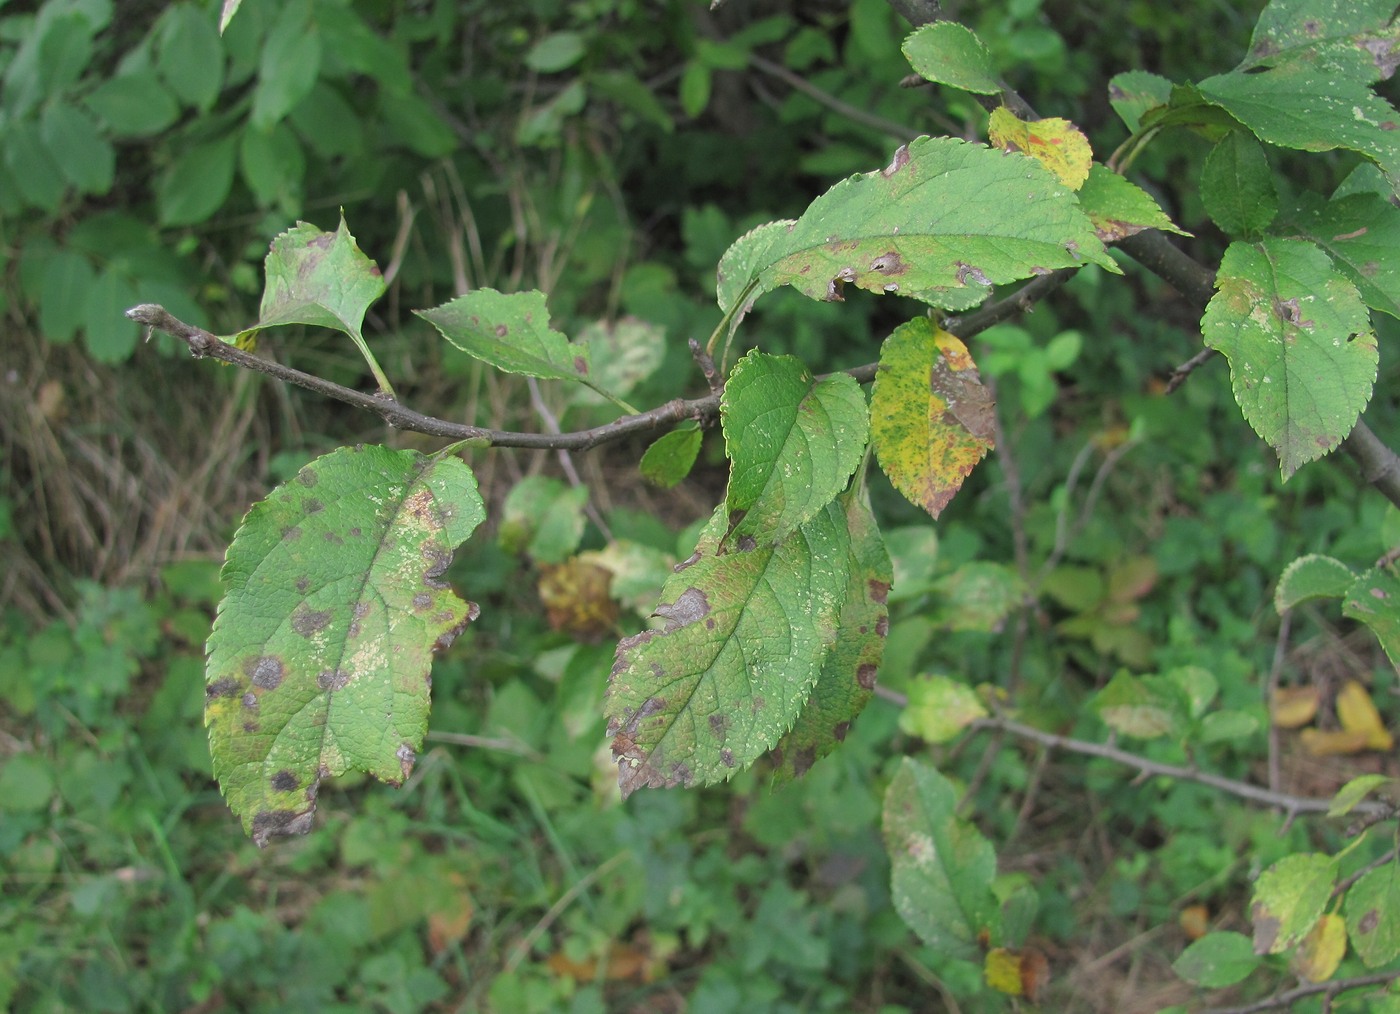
x=592, y=149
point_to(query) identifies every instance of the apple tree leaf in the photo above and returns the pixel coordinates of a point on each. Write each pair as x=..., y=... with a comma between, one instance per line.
x=511, y=332
x=1310, y=577
x=1301, y=351
x=1361, y=233
x=947, y=53
x=931, y=419
x=1374, y=599
x=1119, y=209
x=1288, y=898
x=1054, y=142
x=793, y=442
x=334, y=604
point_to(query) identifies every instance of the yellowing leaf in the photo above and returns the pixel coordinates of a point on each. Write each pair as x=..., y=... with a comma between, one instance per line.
x=1358, y=713
x=1055, y=143
x=1321, y=951
x=1017, y=973
x=1294, y=707
x=939, y=708
x=1194, y=921
x=1330, y=742
x=930, y=418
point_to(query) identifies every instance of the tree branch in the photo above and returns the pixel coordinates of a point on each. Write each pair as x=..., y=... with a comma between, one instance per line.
x=204, y=345
x=1329, y=989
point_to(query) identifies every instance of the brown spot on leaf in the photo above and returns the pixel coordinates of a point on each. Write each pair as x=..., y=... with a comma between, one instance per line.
x=291, y=533
x=719, y=725
x=889, y=263
x=692, y=605
x=423, y=508
x=312, y=506
x=747, y=543
x=250, y=701
x=332, y=538
x=865, y=675
x=1368, y=922
x=332, y=679
x=308, y=477
x=422, y=601
x=726, y=757
x=1266, y=929
x=284, y=781
x=879, y=590
x=1290, y=312
x=406, y=758
x=303, y=583
x=803, y=760
x=502, y=330
x=224, y=687
x=356, y=532
x=839, y=730
x=438, y=561
x=966, y=271
x=900, y=160
x=307, y=621
x=251, y=727
x=1379, y=593
x=265, y=671
x=581, y=366
x=280, y=823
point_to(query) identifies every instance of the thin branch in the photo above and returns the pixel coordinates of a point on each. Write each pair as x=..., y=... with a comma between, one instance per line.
x=1187, y=368
x=1149, y=768
x=1280, y=1001
x=855, y=114
x=1285, y=627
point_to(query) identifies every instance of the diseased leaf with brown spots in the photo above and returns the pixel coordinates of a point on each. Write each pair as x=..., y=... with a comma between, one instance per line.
x=847, y=679
x=1374, y=599
x=334, y=604
x=1120, y=209
x=931, y=420
x=743, y=638
x=1372, y=910
x=930, y=225
x=576, y=599
x=1288, y=899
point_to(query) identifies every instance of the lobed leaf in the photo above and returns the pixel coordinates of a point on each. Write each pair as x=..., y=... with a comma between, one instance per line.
x=941, y=867
x=1302, y=355
x=333, y=607
x=510, y=332
x=943, y=222
x=932, y=420
x=847, y=679
x=793, y=441
x=743, y=640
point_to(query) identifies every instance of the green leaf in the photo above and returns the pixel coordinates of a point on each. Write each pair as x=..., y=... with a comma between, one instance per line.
x=1374, y=599
x=979, y=596
x=109, y=336
x=1312, y=577
x=743, y=639
x=68, y=277
x=1135, y=92
x=197, y=182
x=1288, y=898
x=77, y=145
x=939, y=708
x=134, y=104
x=38, y=176
x=1142, y=706
x=1354, y=791
x=670, y=458
x=510, y=332
x=945, y=221
x=794, y=442
x=1361, y=233
x=1217, y=960
x=931, y=419
x=318, y=278
x=543, y=518
x=1119, y=209
x=950, y=54
x=1302, y=355
x=555, y=52
x=189, y=56
x=230, y=8
x=271, y=162
x=1372, y=909
x=334, y=605
x=621, y=354
x=1237, y=187
x=1227, y=726
x=695, y=88
x=847, y=679
x=746, y=256
x=1312, y=105
x=1325, y=31
x=291, y=61
x=941, y=867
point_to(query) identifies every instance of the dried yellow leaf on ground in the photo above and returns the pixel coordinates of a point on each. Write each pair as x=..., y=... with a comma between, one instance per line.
x=1357, y=713
x=1294, y=707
